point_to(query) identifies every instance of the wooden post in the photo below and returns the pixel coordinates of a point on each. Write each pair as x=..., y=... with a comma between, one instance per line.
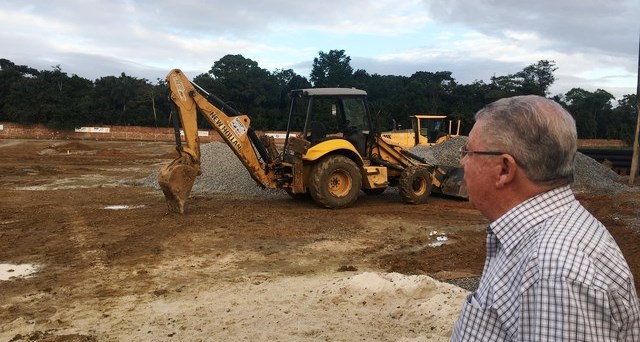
x=634, y=159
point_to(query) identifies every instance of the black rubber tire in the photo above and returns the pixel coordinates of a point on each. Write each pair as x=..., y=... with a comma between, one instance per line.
x=415, y=185
x=335, y=182
x=373, y=192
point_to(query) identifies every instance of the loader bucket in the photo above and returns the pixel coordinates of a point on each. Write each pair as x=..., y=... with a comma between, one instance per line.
x=176, y=180
x=450, y=181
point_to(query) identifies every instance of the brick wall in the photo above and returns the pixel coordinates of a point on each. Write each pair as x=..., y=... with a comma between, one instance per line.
x=601, y=143
x=15, y=131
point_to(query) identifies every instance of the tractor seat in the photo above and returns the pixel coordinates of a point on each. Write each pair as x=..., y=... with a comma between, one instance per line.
x=318, y=132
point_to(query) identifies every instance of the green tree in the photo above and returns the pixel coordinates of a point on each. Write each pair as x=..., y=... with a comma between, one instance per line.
x=466, y=100
x=51, y=98
x=107, y=111
x=432, y=91
x=11, y=75
x=287, y=80
x=535, y=79
x=332, y=69
x=243, y=81
x=123, y=91
x=127, y=100
x=245, y=86
x=591, y=110
x=625, y=117
x=56, y=99
x=386, y=97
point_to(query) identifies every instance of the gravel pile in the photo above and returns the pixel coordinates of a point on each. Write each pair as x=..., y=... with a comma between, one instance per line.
x=590, y=175
x=446, y=153
x=222, y=171
x=469, y=284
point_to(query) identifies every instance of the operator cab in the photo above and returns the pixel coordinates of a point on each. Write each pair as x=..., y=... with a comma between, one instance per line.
x=321, y=114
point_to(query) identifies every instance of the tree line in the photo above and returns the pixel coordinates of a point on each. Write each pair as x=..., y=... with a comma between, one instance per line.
x=57, y=100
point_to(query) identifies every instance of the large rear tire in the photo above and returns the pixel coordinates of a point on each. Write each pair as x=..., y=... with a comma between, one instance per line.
x=335, y=182
x=415, y=185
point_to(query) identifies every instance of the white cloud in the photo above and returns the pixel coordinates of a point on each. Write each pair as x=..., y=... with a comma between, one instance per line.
x=590, y=40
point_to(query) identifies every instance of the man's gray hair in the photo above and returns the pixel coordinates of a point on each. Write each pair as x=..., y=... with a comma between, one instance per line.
x=539, y=134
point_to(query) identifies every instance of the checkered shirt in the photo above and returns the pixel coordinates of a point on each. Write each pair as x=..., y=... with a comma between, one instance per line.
x=552, y=273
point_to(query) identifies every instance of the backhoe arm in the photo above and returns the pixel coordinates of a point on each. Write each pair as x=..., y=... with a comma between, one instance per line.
x=177, y=178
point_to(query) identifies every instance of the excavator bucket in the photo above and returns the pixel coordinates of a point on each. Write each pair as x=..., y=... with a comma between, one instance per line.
x=176, y=180
x=450, y=181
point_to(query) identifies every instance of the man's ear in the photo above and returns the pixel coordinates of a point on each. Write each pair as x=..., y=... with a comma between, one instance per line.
x=508, y=170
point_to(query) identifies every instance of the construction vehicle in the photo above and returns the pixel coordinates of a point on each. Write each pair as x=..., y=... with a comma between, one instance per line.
x=426, y=130
x=334, y=155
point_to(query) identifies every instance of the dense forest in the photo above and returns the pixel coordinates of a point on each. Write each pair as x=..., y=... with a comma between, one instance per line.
x=57, y=100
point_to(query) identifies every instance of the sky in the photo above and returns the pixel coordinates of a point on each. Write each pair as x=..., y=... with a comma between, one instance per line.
x=594, y=43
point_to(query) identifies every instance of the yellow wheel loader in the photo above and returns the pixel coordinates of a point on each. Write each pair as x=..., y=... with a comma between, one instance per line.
x=330, y=152
x=426, y=130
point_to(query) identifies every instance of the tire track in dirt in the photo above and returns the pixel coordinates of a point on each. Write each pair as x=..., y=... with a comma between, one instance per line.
x=84, y=240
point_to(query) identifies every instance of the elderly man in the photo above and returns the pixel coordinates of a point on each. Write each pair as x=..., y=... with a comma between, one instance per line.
x=552, y=272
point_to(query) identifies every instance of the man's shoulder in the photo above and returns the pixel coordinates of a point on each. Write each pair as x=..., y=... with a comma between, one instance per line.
x=576, y=246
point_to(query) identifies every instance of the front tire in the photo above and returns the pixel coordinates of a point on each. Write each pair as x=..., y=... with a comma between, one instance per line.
x=415, y=185
x=335, y=182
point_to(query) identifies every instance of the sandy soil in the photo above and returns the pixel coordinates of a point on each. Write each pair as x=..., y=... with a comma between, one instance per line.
x=112, y=265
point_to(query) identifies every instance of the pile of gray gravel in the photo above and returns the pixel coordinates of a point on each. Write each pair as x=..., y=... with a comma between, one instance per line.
x=222, y=171
x=446, y=153
x=590, y=175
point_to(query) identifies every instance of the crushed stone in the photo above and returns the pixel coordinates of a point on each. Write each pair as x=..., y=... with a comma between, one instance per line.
x=223, y=173
x=590, y=176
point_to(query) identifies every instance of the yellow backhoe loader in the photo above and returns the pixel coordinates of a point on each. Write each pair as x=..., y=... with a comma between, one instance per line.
x=334, y=155
x=426, y=130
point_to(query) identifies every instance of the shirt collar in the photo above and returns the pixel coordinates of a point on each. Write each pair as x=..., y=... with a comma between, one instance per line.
x=518, y=222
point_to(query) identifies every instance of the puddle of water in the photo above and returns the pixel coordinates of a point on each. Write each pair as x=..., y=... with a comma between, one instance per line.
x=122, y=207
x=82, y=182
x=441, y=239
x=10, y=271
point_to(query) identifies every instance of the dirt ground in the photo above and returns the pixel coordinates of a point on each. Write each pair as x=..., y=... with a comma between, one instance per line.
x=113, y=265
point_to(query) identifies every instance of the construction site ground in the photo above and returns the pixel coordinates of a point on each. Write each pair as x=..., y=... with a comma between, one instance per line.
x=112, y=264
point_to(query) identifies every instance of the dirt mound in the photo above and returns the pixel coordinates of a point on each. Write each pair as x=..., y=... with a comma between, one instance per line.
x=71, y=147
x=50, y=337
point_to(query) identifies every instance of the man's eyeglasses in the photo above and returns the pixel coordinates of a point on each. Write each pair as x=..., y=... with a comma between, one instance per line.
x=464, y=152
